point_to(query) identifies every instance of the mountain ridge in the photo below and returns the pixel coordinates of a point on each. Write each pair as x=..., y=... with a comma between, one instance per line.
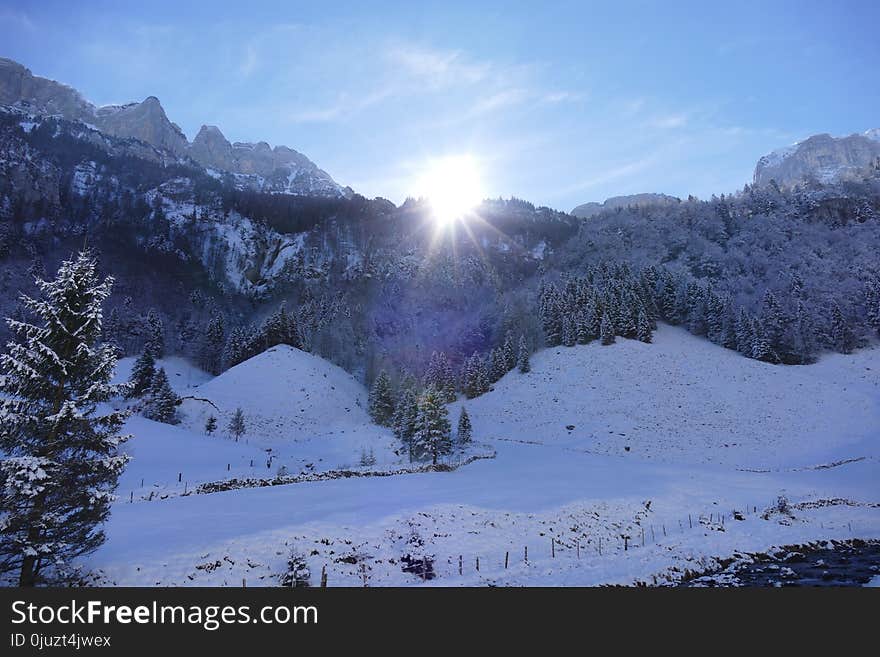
x=256, y=165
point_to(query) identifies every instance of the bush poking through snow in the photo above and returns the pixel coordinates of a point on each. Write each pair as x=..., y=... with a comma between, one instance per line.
x=298, y=574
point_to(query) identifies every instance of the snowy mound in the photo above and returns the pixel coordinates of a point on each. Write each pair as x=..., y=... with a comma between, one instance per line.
x=683, y=399
x=284, y=393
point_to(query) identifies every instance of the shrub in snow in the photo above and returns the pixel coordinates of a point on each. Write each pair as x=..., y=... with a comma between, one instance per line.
x=298, y=573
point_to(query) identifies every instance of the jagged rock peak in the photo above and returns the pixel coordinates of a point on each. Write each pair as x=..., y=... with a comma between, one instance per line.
x=821, y=158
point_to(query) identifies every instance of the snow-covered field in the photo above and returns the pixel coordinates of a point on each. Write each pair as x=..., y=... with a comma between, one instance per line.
x=708, y=433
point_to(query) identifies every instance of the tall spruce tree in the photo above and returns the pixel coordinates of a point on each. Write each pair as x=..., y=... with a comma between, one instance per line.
x=155, y=342
x=142, y=374
x=61, y=459
x=432, y=437
x=382, y=400
x=210, y=425
x=236, y=426
x=465, y=431
x=643, y=327
x=405, y=423
x=523, y=359
x=161, y=402
x=606, y=331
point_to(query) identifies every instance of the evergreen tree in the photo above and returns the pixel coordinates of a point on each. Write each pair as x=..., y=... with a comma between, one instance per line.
x=432, y=435
x=643, y=330
x=474, y=379
x=498, y=366
x=523, y=360
x=161, y=402
x=60, y=460
x=465, y=430
x=155, y=343
x=405, y=423
x=842, y=336
x=142, y=374
x=606, y=331
x=569, y=332
x=761, y=349
x=210, y=425
x=211, y=351
x=745, y=336
x=382, y=400
x=236, y=426
x=439, y=376
x=509, y=350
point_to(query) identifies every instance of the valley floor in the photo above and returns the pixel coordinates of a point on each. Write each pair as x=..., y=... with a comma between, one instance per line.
x=625, y=464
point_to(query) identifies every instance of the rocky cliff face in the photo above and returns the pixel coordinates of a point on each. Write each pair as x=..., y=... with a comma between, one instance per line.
x=145, y=121
x=821, y=158
x=279, y=169
x=257, y=166
x=587, y=210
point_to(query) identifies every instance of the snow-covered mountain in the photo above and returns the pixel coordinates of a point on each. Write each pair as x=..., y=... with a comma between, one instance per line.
x=821, y=158
x=586, y=210
x=254, y=166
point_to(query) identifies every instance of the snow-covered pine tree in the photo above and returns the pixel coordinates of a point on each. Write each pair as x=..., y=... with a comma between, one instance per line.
x=405, y=423
x=432, y=437
x=523, y=360
x=465, y=431
x=606, y=331
x=841, y=334
x=498, y=366
x=236, y=426
x=155, y=330
x=382, y=400
x=569, y=331
x=161, y=401
x=761, y=349
x=474, y=377
x=214, y=340
x=210, y=425
x=509, y=350
x=551, y=314
x=643, y=327
x=439, y=376
x=60, y=451
x=142, y=374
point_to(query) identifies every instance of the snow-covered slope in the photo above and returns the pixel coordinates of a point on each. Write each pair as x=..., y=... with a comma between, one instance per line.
x=683, y=399
x=303, y=408
x=569, y=496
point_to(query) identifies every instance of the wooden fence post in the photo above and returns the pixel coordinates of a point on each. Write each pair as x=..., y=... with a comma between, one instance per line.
x=553, y=547
x=526, y=554
x=459, y=564
x=506, y=556
x=324, y=576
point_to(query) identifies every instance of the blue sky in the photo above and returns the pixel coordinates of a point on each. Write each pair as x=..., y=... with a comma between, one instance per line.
x=561, y=103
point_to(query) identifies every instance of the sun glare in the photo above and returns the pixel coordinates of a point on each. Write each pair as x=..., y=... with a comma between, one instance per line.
x=452, y=185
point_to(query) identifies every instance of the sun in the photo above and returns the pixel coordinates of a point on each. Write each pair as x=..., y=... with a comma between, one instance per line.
x=452, y=185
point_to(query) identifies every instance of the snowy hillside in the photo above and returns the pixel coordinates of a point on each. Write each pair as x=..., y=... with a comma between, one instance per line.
x=302, y=408
x=587, y=510
x=683, y=399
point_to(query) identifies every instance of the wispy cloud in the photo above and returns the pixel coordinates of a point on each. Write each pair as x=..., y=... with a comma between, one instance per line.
x=15, y=19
